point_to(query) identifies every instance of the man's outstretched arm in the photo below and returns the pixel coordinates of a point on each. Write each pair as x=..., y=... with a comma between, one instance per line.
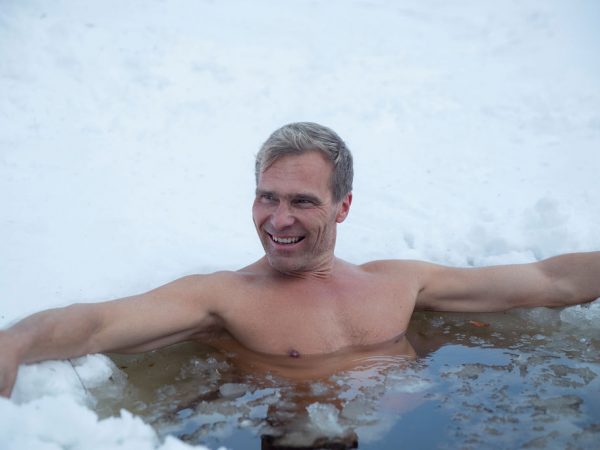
x=558, y=281
x=172, y=313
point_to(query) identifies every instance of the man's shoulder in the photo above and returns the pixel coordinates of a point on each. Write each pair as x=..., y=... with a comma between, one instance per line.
x=228, y=280
x=222, y=278
x=393, y=266
x=220, y=284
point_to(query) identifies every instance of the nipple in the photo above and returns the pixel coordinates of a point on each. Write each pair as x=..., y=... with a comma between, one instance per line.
x=294, y=353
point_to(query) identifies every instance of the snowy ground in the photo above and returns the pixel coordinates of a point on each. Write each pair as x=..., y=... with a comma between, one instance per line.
x=128, y=131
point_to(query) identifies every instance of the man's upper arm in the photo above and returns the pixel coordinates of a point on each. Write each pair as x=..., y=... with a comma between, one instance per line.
x=171, y=313
x=484, y=289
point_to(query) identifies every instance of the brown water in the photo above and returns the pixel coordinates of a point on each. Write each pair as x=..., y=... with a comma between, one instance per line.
x=524, y=379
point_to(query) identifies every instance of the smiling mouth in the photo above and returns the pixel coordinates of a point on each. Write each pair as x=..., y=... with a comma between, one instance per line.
x=286, y=240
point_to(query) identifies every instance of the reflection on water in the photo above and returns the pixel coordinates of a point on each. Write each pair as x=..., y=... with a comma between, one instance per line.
x=524, y=379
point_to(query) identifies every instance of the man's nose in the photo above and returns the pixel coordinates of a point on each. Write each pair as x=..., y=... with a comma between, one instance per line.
x=282, y=216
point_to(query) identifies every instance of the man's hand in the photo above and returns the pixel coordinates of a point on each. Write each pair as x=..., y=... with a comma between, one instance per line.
x=9, y=364
x=559, y=281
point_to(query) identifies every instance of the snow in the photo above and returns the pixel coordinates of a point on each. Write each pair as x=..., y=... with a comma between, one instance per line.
x=55, y=422
x=128, y=131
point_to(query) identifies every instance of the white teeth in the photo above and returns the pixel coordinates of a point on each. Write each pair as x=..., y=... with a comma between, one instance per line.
x=290, y=240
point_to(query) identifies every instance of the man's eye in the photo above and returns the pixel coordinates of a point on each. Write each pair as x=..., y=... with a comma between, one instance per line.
x=304, y=202
x=267, y=197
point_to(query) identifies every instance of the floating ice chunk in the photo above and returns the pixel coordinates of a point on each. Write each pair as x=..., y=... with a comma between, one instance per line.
x=407, y=384
x=166, y=392
x=319, y=388
x=247, y=423
x=572, y=376
x=567, y=404
x=325, y=418
x=232, y=390
x=321, y=426
x=583, y=316
x=200, y=366
x=357, y=409
x=542, y=316
x=469, y=371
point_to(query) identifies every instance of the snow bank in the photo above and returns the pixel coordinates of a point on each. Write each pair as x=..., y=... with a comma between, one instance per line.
x=58, y=422
x=50, y=409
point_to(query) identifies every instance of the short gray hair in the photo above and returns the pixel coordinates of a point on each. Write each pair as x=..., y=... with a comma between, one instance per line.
x=301, y=137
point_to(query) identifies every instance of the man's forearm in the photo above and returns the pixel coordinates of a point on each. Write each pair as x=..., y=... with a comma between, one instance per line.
x=53, y=334
x=576, y=276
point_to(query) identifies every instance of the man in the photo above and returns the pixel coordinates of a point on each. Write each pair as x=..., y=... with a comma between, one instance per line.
x=299, y=299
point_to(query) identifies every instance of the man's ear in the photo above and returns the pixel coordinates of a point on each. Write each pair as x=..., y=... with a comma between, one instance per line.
x=344, y=208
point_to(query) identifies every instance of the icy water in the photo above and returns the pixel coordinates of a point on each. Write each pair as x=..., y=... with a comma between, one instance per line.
x=526, y=379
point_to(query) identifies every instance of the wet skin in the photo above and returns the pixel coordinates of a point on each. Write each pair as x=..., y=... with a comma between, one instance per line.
x=310, y=368
x=290, y=315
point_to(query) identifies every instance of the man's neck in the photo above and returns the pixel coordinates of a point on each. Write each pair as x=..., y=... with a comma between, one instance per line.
x=323, y=270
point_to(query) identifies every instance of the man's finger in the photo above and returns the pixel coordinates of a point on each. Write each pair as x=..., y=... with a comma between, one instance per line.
x=7, y=382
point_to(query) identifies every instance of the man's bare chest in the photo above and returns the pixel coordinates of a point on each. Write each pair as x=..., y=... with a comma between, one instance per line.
x=304, y=320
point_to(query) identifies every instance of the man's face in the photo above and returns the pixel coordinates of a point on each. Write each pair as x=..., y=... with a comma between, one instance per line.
x=295, y=215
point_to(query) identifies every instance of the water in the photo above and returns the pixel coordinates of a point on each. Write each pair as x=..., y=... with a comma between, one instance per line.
x=525, y=379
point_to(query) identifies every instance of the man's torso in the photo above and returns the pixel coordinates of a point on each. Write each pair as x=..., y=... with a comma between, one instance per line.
x=359, y=306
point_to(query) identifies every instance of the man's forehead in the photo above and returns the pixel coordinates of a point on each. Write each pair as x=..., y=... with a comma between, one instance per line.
x=293, y=175
x=310, y=164
x=292, y=186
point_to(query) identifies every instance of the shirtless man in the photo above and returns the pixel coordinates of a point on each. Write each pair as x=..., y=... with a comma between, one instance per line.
x=298, y=299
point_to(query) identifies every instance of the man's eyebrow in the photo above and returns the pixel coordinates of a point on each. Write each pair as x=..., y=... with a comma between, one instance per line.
x=295, y=196
x=306, y=196
x=262, y=192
